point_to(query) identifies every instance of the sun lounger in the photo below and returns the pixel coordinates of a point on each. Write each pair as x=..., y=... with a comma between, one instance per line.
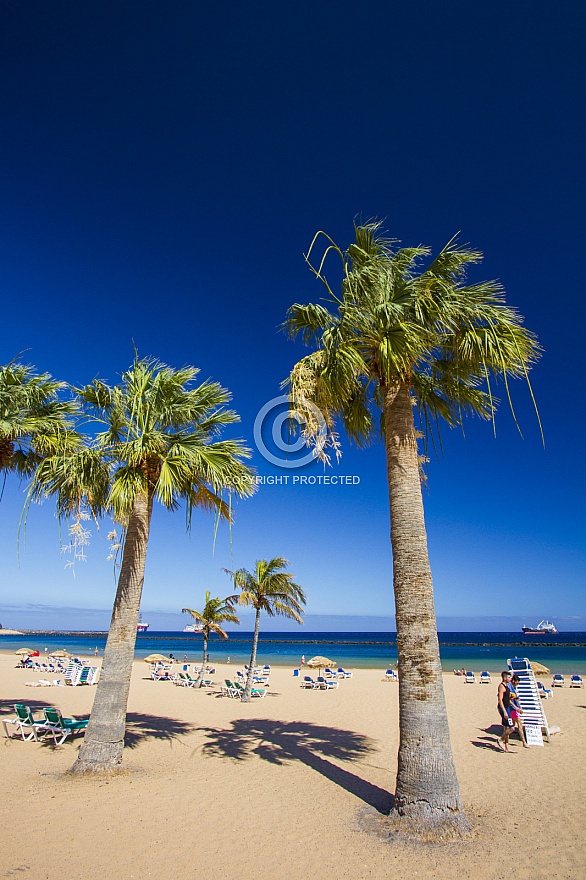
x=24, y=723
x=86, y=676
x=343, y=674
x=390, y=675
x=543, y=692
x=255, y=692
x=558, y=681
x=228, y=689
x=308, y=682
x=576, y=681
x=184, y=680
x=470, y=678
x=58, y=726
x=72, y=674
x=327, y=684
x=485, y=678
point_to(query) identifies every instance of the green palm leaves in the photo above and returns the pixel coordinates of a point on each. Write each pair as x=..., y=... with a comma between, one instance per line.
x=215, y=612
x=33, y=421
x=270, y=589
x=157, y=434
x=398, y=321
x=160, y=436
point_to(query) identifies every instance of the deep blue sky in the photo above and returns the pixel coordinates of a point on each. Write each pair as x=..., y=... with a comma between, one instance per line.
x=164, y=168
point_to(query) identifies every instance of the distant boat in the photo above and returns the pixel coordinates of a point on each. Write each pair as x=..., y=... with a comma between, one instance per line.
x=140, y=626
x=193, y=628
x=543, y=628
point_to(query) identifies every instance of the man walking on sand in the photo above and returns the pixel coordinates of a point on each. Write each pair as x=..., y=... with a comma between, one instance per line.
x=504, y=702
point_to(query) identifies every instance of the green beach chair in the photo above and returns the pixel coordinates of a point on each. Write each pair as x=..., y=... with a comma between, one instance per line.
x=184, y=680
x=229, y=689
x=24, y=722
x=57, y=725
x=255, y=692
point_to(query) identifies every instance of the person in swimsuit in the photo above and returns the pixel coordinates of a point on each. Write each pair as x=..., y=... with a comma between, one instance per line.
x=504, y=703
x=515, y=710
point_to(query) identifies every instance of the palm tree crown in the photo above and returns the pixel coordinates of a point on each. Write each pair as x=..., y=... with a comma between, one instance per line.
x=269, y=589
x=215, y=612
x=397, y=322
x=160, y=437
x=32, y=418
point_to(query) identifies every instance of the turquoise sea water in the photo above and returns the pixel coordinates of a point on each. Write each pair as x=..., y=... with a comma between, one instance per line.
x=565, y=653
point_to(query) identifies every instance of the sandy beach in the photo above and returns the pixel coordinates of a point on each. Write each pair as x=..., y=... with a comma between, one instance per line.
x=292, y=785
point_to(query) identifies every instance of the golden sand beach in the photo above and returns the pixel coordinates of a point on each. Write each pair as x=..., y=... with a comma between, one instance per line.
x=289, y=786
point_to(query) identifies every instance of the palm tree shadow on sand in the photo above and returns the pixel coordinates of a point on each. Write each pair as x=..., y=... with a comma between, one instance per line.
x=317, y=747
x=140, y=727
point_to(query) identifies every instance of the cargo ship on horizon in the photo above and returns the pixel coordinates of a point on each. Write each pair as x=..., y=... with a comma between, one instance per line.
x=543, y=628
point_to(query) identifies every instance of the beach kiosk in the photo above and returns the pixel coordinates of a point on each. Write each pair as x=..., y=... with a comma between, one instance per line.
x=534, y=720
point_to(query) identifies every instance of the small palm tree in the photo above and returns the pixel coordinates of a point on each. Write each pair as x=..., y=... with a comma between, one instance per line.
x=215, y=612
x=159, y=443
x=32, y=417
x=268, y=589
x=400, y=340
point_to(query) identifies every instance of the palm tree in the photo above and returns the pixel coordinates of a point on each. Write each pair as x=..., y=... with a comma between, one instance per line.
x=268, y=589
x=158, y=443
x=32, y=417
x=399, y=340
x=215, y=612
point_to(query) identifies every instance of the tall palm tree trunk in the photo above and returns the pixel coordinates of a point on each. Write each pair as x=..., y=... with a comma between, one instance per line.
x=427, y=791
x=103, y=744
x=246, y=696
x=203, y=662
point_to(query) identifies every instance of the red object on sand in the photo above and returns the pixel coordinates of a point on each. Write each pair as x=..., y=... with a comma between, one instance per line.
x=34, y=654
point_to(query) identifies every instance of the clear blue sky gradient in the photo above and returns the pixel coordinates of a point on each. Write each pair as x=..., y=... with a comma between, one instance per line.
x=164, y=169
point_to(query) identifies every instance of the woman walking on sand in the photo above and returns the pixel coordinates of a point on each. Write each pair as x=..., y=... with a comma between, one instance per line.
x=515, y=709
x=504, y=702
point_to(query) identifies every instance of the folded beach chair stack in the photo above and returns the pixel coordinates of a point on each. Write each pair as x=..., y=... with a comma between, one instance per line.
x=529, y=699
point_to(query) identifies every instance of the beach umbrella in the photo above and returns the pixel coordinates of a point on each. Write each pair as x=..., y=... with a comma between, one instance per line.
x=319, y=662
x=156, y=658
x=24, y=651
x=59, y=654
x=538, y=668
